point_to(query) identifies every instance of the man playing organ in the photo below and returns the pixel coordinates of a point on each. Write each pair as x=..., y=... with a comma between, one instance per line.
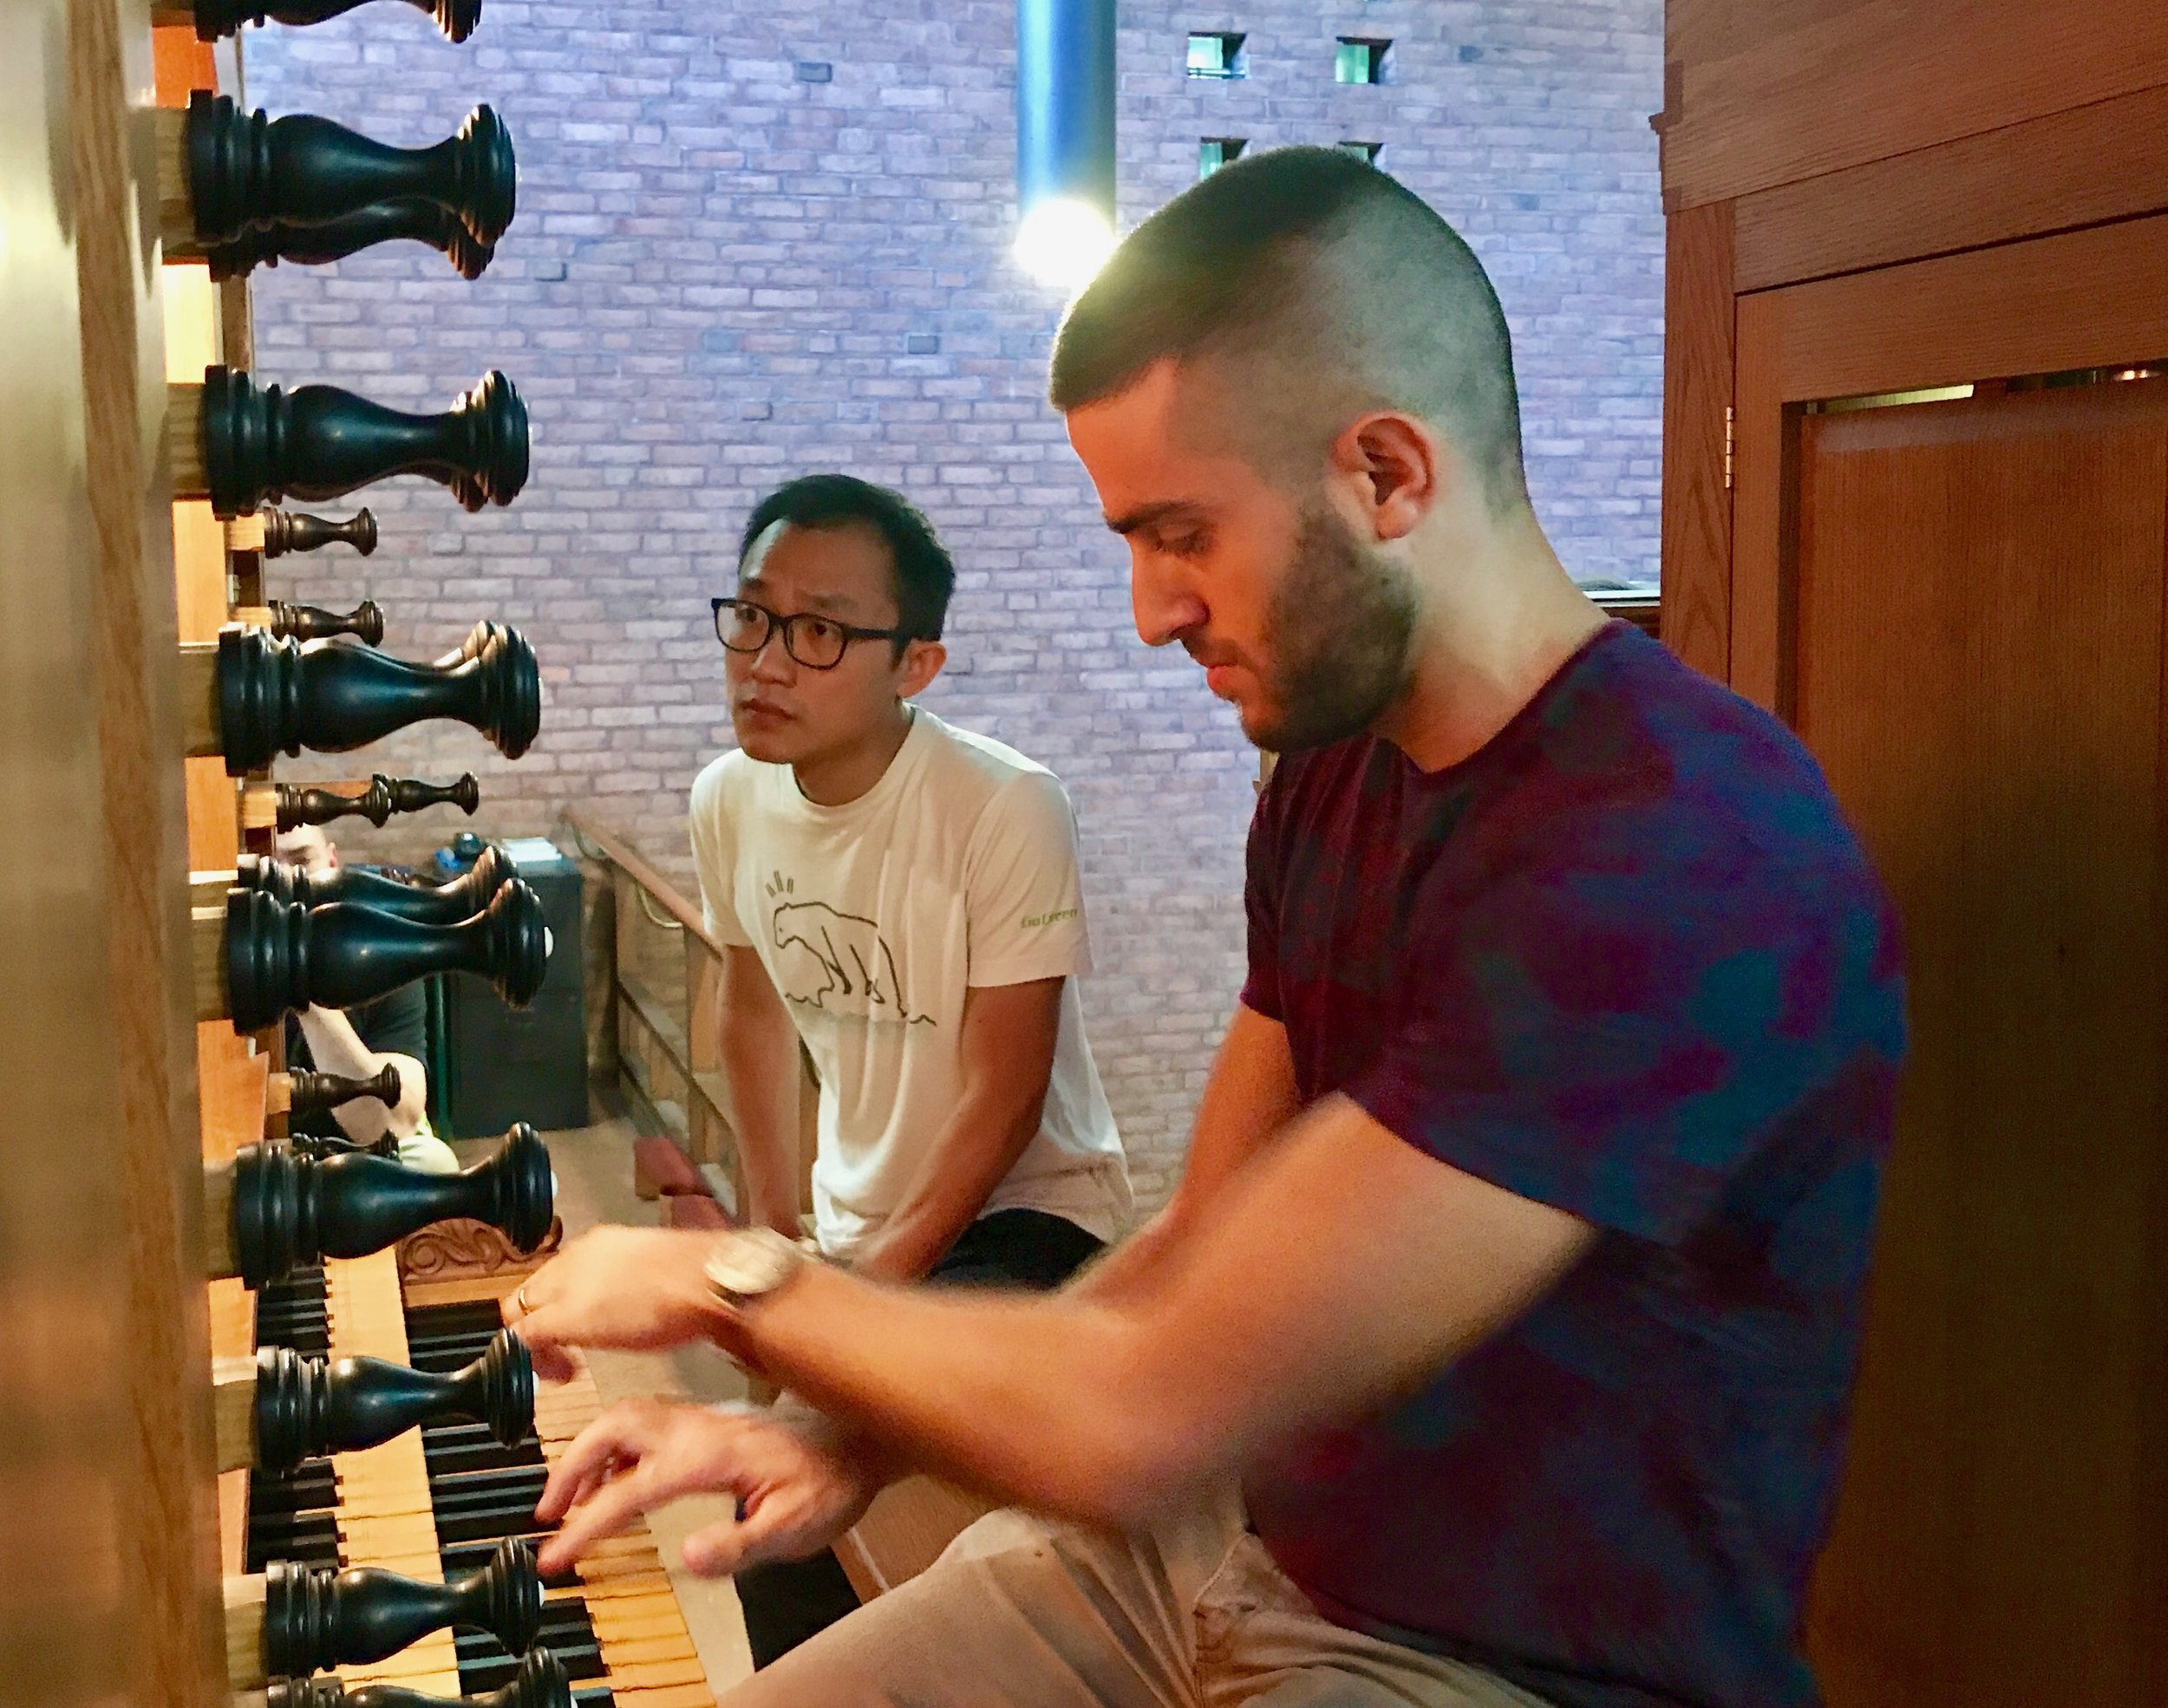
x=1495, y=1349
x=902, y=896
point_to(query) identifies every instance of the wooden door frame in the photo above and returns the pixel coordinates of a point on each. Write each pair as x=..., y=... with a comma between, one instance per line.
x=2091, y=298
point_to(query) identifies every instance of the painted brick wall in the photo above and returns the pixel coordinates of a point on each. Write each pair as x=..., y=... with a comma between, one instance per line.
x=737, y=223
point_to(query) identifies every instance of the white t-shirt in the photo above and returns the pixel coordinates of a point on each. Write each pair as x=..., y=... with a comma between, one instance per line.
x=957, y=869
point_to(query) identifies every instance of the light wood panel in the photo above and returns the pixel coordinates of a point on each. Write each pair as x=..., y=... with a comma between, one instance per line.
x=1979, y=643
x=1759, y=93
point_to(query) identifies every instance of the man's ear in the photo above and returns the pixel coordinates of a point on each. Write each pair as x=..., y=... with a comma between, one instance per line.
x=1394, y=468
x=922, y=662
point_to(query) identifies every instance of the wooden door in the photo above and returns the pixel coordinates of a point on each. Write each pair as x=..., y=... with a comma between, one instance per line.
x=1959, y=606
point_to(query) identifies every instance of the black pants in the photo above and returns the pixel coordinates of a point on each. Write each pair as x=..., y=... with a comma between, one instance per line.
x=790, y=1600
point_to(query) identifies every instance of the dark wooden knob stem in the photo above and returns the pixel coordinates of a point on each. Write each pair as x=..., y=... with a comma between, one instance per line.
x=286, y=530
x=280, y=957
x=441, y=904
x=290, y=1210
x=311, y=1093
x=247, y=170
x=411, y=218
x=541, y=1682
x=330, y=697
x=315, y=1618
x=313, y=622
x=384, y=796
x=218, y=18
x=319, y=442
x=307, y=1407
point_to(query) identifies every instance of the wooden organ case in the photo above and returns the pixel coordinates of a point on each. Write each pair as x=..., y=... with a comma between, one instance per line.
x=228, y=1462
x=1916, y=501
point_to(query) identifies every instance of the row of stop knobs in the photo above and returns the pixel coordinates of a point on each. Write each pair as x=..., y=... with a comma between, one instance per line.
x=240, y=190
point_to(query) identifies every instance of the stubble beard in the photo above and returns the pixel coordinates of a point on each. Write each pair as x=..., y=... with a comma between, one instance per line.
x=1340, y=639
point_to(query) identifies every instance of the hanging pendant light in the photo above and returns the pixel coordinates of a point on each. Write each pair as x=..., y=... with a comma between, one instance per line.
x=1065, y=139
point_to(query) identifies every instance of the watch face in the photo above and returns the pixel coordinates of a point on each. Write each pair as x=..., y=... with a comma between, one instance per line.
x=744, y=1264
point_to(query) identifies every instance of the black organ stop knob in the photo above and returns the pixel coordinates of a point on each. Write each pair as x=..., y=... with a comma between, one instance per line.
x=320, y=442
x=541, y=1682
x=280, y=957
x=409, y=218
x=315, y=1618
x=281, y=696
x=246, y=170
x=215, y=18
x=365, y=622
x=312, y=1093
x=441, y=904
x=288, y=531
x=307, y=1407
x=290, y=1210
x=383, y=797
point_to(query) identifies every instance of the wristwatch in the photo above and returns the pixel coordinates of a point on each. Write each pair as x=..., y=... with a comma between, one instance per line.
x=747, y=1263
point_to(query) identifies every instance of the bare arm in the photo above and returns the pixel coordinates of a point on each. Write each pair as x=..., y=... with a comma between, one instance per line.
x=1341, y=1267
x=1249, y=1099
x=1007, y=1046
x=760, y=1061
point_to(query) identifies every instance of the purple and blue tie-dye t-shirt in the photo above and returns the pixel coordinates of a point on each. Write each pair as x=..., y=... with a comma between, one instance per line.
x=1628, y=961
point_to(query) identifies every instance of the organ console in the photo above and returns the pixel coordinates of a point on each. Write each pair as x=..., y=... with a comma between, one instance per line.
x=250, y=697
x=215, y=18
x=271, y=1210
x=304, y=1091
x=288, y=807
x=443, y=904
x=241, y=448
x=223, y=172
x=282, y=1407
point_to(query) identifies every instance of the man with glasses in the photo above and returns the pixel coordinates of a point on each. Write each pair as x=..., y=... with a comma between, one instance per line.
x=903, y=895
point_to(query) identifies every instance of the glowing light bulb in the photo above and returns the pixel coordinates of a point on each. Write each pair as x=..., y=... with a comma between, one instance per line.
x=1064, y=242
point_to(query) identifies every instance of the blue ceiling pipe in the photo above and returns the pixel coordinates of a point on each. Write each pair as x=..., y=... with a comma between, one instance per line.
x=1065, y=102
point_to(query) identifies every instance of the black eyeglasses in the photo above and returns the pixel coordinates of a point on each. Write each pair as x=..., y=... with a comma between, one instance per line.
x=818, y=642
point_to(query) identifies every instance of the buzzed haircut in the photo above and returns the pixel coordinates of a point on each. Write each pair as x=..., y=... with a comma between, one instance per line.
x=920, y=567
x=1337, y=287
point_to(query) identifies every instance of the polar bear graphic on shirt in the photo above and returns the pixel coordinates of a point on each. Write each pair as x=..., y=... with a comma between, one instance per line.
x=838, y=963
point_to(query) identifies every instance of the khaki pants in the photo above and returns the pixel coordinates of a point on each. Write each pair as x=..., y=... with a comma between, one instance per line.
x=1029, y=1613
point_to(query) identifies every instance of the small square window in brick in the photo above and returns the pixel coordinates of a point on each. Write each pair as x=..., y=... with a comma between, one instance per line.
x=1218, y=53
x=1214, y=152
x=1360, y=59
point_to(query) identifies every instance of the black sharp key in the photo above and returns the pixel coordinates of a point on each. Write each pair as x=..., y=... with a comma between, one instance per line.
x=594, y=1696
x=312, y=1538
x=477, y=1452
x=567, y=1633
x=311, y=1486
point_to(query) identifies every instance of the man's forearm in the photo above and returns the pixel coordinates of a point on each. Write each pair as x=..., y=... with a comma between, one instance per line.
x=764, y=1095
x=1043, y=1402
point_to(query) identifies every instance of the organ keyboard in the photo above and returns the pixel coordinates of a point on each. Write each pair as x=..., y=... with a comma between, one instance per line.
x=438, y=1502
